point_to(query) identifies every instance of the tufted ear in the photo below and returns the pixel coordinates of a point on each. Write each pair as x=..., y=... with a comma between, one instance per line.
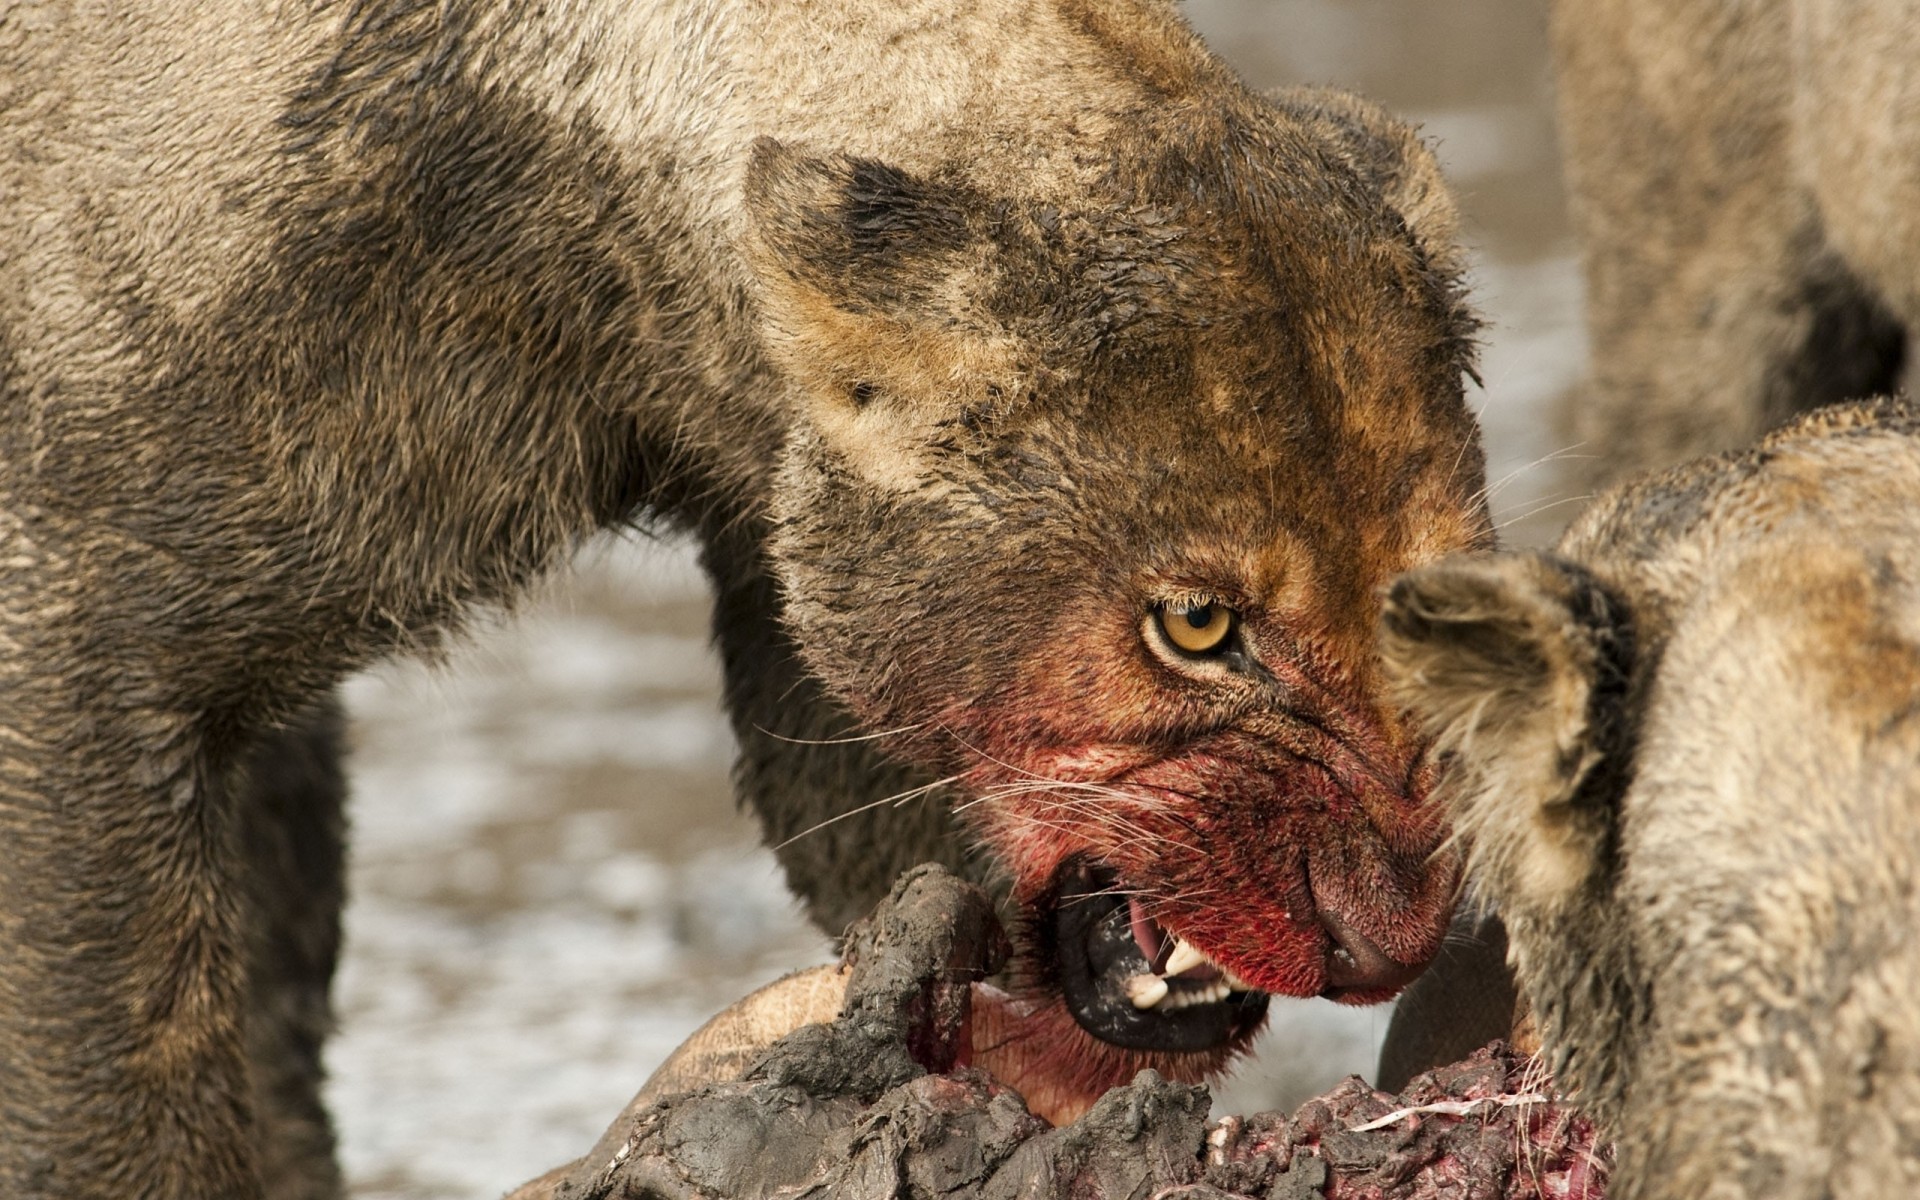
x=867, y=277
x=1517, y=666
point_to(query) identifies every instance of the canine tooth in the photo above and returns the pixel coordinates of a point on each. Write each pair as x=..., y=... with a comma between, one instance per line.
x=1184, y=958
x=1146, y=991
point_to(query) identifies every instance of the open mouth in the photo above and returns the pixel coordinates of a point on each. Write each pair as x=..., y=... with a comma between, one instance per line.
x=1130, y=982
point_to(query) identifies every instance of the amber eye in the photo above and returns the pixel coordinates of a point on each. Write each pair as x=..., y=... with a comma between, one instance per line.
x=1196, y=628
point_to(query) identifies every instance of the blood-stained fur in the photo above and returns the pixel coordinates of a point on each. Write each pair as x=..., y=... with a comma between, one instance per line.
x=1688, y=768
x=1050, y=409
x=1745, y=182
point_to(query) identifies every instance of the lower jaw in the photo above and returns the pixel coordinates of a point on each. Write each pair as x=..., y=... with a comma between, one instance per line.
x=1037, y=1048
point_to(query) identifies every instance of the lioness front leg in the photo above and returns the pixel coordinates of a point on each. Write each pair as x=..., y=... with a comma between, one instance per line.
x=122, y=1068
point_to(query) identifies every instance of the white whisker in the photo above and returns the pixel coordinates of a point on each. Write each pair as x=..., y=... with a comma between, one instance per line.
x=1537, y=509
x=838, y=741
x=1495, y=487
x=897, y=799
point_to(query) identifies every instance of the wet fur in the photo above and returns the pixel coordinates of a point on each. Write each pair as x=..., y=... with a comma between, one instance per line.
x=1686, y=772
x=322, y=326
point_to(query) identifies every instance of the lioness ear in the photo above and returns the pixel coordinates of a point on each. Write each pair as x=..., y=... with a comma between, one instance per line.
x=866, y=276
x=860, y=234
x=1517, y=665
x=1389, y=154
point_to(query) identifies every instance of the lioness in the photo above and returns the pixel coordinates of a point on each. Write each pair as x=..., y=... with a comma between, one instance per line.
x=1688, y=768
x=1745, y=183
x=1051, y=409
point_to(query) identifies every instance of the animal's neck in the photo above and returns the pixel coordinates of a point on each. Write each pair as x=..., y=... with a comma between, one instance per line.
x=676, y=94
x=902, y=80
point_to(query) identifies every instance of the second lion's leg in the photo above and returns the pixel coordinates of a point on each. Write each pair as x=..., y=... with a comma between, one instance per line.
x=1715, y=306
x=1463, y=1001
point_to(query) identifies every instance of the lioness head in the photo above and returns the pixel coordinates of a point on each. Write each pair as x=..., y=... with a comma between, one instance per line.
x=1092, y=497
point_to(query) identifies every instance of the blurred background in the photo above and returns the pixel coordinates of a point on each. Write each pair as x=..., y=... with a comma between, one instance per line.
x=551, y=886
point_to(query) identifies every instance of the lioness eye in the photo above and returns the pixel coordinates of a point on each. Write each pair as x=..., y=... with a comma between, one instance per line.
x=1196, y=628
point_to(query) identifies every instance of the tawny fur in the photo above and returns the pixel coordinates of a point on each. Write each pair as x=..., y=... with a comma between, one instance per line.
x=1724, y=965
x=961, y=335
x=1744, y=180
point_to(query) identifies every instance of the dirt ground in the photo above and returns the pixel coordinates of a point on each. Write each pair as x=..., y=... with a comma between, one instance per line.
x=551, y=886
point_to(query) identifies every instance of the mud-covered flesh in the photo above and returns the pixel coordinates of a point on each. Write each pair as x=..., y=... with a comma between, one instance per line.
x=843, y=1109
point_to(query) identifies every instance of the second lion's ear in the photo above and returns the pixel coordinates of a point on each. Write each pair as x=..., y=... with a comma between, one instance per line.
x=865, y=275
x=1517, y=666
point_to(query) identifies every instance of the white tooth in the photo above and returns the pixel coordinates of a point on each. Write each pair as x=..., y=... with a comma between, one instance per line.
x=1237, y=984
x=1146, y=990
x=1184, y=958
x=1187, y=996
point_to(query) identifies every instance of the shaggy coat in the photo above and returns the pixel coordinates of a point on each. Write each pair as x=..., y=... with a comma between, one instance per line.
x=1688, y=769
x=975, y=342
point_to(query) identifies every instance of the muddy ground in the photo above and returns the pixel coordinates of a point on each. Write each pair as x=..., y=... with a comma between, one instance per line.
x=551, y=887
